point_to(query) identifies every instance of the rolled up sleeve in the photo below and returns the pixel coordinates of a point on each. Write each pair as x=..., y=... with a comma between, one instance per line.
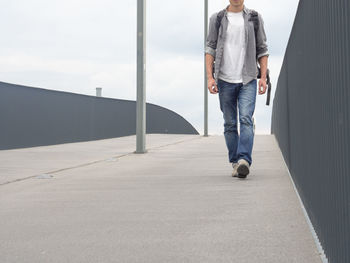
x=212, y=37
x=261, y=49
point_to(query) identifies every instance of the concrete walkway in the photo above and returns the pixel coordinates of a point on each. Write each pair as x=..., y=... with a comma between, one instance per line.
x=99, y=202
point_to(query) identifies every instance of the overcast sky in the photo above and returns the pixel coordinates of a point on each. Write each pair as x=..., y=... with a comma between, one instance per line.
x=78, y=45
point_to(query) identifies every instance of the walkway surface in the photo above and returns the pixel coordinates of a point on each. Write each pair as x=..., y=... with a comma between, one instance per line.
x=99, y=202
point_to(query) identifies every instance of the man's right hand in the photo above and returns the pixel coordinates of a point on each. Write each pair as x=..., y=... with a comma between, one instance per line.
x=212, y=87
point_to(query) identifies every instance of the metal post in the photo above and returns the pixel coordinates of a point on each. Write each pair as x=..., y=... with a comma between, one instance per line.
x=98, y=92
x=205, y=70
x=141, y=78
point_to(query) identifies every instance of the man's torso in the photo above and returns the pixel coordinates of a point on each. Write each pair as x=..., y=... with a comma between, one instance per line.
x=254, y=48
x=234, y=49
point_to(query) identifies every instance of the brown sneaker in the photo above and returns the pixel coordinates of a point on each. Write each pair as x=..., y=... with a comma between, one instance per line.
x=243, y=168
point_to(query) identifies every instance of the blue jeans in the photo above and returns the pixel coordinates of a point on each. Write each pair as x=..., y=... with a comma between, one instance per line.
x=230, y=94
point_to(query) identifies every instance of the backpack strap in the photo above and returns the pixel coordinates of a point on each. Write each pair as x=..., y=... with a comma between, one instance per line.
x=219, y=18
x=254, y=17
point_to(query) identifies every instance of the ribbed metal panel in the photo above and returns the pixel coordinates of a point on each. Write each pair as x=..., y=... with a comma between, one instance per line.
x=311, y=118
x=34, y=117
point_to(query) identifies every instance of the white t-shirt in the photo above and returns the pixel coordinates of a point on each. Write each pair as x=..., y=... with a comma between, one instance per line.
x=234, y=49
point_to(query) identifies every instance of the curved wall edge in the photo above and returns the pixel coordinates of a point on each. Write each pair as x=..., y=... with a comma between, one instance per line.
x=32, y=117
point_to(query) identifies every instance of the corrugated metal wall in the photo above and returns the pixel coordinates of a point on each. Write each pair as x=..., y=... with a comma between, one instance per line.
x=34, y=117
x=311, y=118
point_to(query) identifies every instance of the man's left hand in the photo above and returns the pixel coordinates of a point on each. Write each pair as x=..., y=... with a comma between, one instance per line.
x=262, y=86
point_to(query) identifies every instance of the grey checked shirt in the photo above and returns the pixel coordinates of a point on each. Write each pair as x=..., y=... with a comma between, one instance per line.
x=254, y=49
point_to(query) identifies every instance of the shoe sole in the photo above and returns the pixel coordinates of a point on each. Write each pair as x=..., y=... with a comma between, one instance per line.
x=242, y=171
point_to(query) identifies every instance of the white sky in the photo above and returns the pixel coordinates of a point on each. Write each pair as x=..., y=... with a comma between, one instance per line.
x=78, y=45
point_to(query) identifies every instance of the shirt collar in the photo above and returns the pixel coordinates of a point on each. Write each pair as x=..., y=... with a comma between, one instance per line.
x=245, y=9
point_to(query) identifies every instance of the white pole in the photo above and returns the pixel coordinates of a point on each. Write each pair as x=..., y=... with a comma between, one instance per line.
x=98, y=92
x=205, y=71
x=141, y=78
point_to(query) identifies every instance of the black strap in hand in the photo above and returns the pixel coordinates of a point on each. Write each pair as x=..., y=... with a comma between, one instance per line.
x=268, y=84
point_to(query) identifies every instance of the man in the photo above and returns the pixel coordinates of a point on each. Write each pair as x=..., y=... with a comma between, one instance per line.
x=236, y=42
